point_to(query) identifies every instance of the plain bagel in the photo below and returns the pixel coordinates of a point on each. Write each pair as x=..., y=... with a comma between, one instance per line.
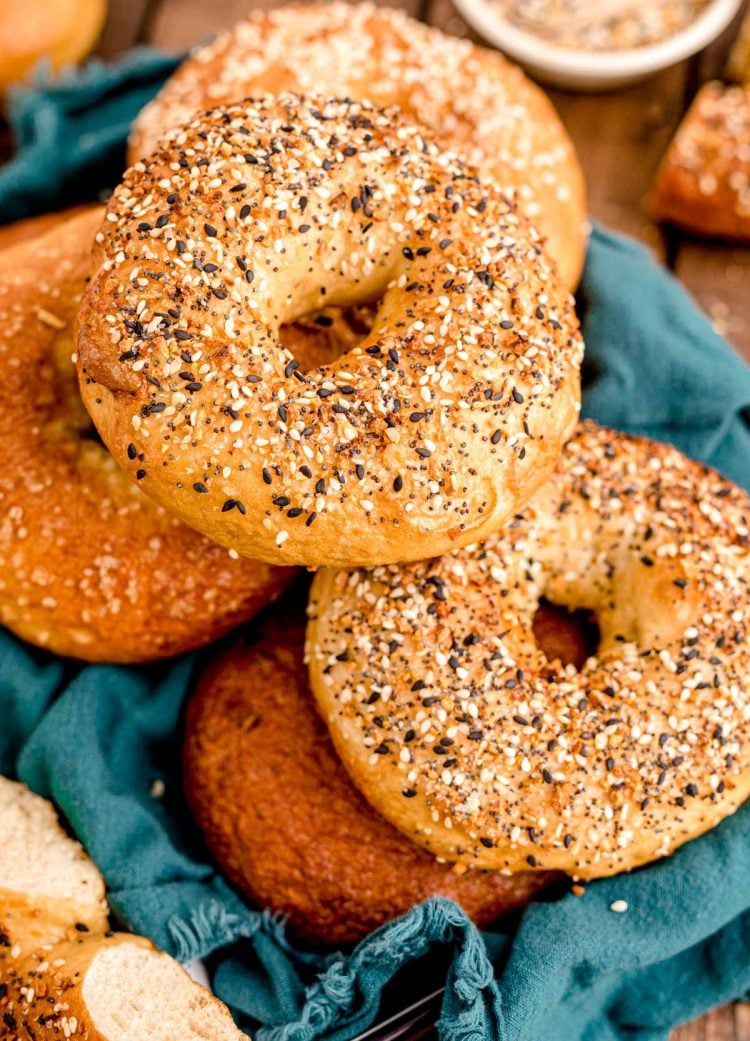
x=426, y=436
x=458, y=729
x=470, y=97
x=281, y=815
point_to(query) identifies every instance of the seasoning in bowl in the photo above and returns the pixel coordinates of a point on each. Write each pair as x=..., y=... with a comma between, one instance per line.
x=601, y=25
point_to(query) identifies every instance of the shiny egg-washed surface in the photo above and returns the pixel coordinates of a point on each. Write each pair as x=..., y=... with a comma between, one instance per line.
x=471, y=98
x=457, y=728
x=428, y=434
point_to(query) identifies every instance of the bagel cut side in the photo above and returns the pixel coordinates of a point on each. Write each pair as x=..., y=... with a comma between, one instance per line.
x=64, y=974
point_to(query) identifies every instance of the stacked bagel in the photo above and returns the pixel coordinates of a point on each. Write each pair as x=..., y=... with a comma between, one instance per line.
x=328, y=325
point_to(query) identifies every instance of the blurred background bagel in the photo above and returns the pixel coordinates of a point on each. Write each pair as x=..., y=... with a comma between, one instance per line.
x=55, y=32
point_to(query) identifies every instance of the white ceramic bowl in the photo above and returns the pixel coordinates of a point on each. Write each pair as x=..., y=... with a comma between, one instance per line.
x=594, y=70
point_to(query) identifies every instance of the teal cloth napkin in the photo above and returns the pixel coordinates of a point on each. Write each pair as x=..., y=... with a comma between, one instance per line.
x=96, y=738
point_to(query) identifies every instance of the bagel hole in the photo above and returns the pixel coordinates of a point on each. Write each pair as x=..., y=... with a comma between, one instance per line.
x=318, y=339
x=566, y=635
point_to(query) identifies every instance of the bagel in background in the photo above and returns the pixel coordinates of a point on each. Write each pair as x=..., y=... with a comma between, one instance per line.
x=46, y=33
x=63, y=972
x=281, y=816
x=470, y=98
x=33, y=227
x=89, y=567
x=703, y=181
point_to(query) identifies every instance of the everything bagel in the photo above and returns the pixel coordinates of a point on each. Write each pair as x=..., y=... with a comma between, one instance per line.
x=474, y=100
x=89, y=567
x=284, y=820
x=427, y=435
x=459, y=730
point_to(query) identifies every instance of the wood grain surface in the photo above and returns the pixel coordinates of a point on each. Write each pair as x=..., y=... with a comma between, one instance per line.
x=620, y=136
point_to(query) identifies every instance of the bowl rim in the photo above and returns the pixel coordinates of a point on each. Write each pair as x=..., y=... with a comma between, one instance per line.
x=530, y=49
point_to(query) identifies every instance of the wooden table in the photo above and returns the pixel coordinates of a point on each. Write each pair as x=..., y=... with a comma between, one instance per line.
x=620, y=137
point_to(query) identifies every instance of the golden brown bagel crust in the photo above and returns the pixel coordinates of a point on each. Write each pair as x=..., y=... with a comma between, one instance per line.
x=89, y=566
x=489, y=754
x=427, y=435
x=281, y=815
x=703, y=183
x=32, y=227
x=473, y=99
x=58, y=33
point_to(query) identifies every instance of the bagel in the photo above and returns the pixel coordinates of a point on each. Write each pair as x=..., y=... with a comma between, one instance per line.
x=703, y=182
x=473, y=99
x=56, y=33
x=427, y=435
x=487, y=753
x=282, y=817
x=89, y=567
x=63, y=972
x=33, y=227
